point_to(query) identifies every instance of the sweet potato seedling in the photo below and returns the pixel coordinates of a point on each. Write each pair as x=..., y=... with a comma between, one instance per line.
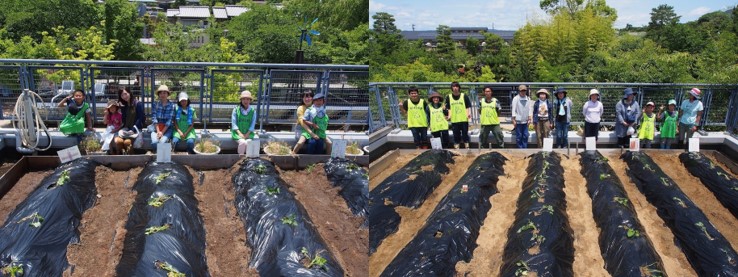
x=679, y=202
x=310, y=168
x=158, y=201
x=604, y=176
x=621, y=200
x=171, y=271
x=63, y=179
x=271, y=191
x=650, y=271
x=35, y=218
x=260, y=169
x=162, y=176
x=528, y=226
x=704, y=230
x=12, y=270
x=523, y=268
x=289, y=220
x=156, y=229
x=315, y=261
x=631, y=233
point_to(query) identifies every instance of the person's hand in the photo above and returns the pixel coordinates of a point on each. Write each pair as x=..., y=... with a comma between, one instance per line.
x=90, y=129
x=448, y=117
x=159, y=134
x=643, y=110
x=242, y=135
x=626, y=124
x=314, y=136
x=661, y=108
x=513, y=120
x=180, y=133
x=468, y=116
x=550, y=125
x=694, y=128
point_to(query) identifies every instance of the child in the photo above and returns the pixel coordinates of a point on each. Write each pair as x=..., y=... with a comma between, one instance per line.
x=113, y=118
x=646, y=131
x=316, y=118
x=243, y=121
x=488, y=110
x=668, y=127
x=438, y=122
x=183, y=123
x=78, y=113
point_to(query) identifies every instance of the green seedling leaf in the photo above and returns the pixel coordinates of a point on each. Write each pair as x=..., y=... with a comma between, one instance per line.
x=171, y=271
x=289, y=220
x=12, y=270
x=650, y=271
x=162, y=176
x=633, y=233
x=271, y=191
x=158, y=201
x=548, y=208
x=665, y=181
x=604, y=176
x=352, y=166
x=527, y=226
x=726, y=176
x=156, y=229
x=679, y=202
x=35, y=218
x=538, y=238
x=621, y=200
x=314, y=261
x=704, y=230
x=523, y=268
x=63, y=179
x=260, y=169
x=310, y=168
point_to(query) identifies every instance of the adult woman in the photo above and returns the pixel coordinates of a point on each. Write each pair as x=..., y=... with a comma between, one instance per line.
x=627, y=111
x=243, y=121
x=307, y=100
x=592, y=111
x=133, y=120
x=161, y=119
x=561, y=112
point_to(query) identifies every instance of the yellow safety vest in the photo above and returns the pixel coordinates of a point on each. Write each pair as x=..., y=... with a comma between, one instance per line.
x=489, y=112
x=416, y=114
x=647, y=127
x=458, y=109
x=437, y=119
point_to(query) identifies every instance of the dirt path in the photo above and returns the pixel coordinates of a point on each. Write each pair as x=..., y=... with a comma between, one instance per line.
x=675, y=263
x=414, y=219
x=225, y=248
x=20, y=192
x=718, y=215
x=397, y=163
x=588, y=259
x=487, y=257
x=102, y=227
x=341, y=230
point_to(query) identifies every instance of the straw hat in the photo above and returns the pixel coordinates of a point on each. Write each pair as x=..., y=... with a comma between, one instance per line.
x=163, y=88
x=542, y=91
x=246, y=94
x=112, y=103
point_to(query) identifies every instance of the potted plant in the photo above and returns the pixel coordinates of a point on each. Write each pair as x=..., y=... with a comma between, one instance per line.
x=277, y=148
x=207, y=146
x=91, y=145
x=353, y=149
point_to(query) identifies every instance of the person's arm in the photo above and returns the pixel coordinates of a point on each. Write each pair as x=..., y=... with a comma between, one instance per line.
x=530, y=111
x=584, y=109
x=106, y=117
x=253, y=121
x=88, y=115
x=170, y=116
x=700, y=109
x=234, y=121
x=194, y=116
x=619, y=113
x=403, y=106
x=140, y=115
x=480, y=105
x=154, y=112
x=64, y=101
x=308, y=118
x=514, y=107
x=602, y=109
x=467, y=103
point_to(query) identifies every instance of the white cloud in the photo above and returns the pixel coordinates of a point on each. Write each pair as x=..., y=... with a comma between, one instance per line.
x=699, y=11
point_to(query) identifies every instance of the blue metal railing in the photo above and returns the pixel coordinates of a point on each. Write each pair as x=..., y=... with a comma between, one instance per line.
x=720, y=100
x=216, y=94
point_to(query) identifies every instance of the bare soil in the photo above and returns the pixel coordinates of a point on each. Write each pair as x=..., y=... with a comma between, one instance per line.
x=414, y=219
x=20, y=192
x=341, y=230
x=675, y=263
x=102, y=227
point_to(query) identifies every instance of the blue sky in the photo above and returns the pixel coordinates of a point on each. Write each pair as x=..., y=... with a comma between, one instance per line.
x=513, y=14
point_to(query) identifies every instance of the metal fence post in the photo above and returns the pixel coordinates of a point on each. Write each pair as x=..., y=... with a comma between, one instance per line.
x=394, y=106
x=265, y=95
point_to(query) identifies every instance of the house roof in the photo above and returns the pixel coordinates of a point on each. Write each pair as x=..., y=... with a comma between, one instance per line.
x=235, y=10
x=220, y=13
x=431, y=34
x=172, y=12
x=194, y=12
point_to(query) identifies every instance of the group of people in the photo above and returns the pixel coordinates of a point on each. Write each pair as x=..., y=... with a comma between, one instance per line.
x=125, y=119
x=545, y=115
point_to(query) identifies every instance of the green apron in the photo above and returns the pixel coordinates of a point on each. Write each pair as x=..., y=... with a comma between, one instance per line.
x=668, y=129
x=647, y=127
x=74, y=124
x=438, y=120
x=183, y=124
x=244, y=123
x=489, y=112
x=458, y=109
x=416, y=114
x=322, y=123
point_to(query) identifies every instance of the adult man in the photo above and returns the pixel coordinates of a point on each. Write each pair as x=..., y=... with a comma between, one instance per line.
x=489, y=109
x=417, y=117
x=459, y=107
x=690, y=115
x=522, y=115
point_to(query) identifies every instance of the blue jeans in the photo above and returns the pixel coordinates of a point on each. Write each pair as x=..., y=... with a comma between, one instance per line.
x=164, y=138
x=315, y=146
x=666, y=143
x=190, y=144
x=420, y=135
x=562, y=134
x=521, y=135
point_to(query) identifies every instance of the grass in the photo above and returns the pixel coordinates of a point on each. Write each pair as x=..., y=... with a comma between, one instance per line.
x=277, y=148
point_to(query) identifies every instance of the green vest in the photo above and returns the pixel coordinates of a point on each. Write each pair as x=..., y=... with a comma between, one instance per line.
x=74, y=124
x=183, y=125
x=647, y=127
x=437, y=120
x=489, y=112
x=322, y=123
x=458, y=109
x=243, y=122
x=668, y=129
x=416, y=114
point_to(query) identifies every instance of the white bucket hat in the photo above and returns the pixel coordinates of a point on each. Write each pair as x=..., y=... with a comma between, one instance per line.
x=593, y=92
x=183, y=96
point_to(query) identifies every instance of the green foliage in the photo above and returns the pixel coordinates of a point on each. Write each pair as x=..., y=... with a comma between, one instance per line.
x=35, y=218
x=528, y=226
x=523, y=268
x=171, y=271
x=123, y=26
x=31, y=18
x=156, y=229
x=314, y=261
x=158, y=201
x=704, y=230
x=162, y=176
x=621, y=200
x=289, y=220
x=12, y=270
x=271, y=191
x=63, y=178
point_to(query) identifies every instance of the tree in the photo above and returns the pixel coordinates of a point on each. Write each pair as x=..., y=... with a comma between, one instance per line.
x=30, y=18
x=569, y=7
x=444, y=44
x=384, y=23
x=663, y=15
x=124, y=27
x=472, y=45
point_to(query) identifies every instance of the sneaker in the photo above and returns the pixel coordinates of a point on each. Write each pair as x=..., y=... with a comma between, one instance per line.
x=149, y=153
x=456, y=146
x=466, y=145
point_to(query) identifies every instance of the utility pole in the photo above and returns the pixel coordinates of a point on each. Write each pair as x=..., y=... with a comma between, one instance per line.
x=413, y=27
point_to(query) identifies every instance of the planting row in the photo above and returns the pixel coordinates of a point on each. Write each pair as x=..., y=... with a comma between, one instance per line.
x=451, y=231
x=715, y=178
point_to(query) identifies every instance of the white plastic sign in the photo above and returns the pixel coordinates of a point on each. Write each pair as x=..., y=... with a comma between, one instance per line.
x=635, y=145
x=436, y=143
x=69, y=154
x=338, y=149
x=164, y=152
x=591, y=144
x=252, y=149
x=694, y=144
x=548, y=144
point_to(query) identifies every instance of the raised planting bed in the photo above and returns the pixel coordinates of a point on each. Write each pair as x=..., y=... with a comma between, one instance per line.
x=624, y=245
x=34, y=238
x=451, y=231
x=706, y=249
x=283, y=239
x=165, y=234
x=714, y=177
x=408, y=187
x=353, y=181
x=540, y=240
